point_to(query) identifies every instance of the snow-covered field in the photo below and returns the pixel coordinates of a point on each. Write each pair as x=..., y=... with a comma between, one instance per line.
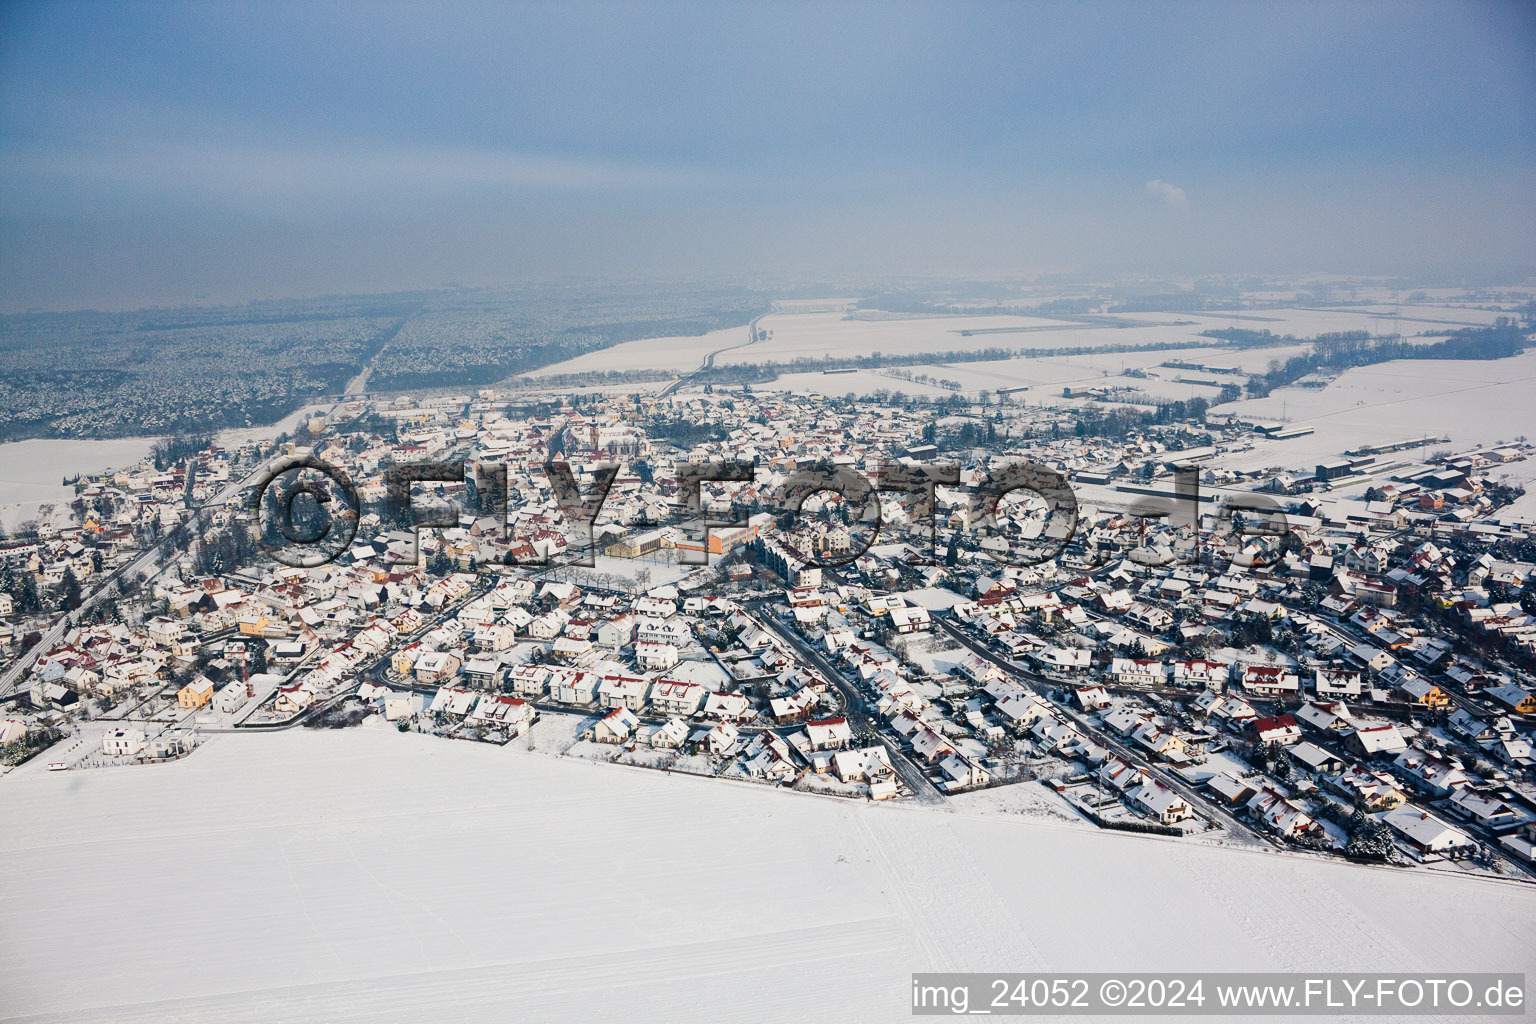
x=1045, y=376
x=681, y=353
x=31, y=471
x=817, y=335
x=372, y=875
x=1474, y=401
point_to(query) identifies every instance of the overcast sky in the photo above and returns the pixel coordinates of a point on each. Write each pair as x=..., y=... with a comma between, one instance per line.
x=162, y=153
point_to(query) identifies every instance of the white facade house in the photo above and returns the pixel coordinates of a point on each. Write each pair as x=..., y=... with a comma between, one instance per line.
x=615, y=727
x=1427, y=835
x=574, y=687
x=231, y=698
x=829, y=734
x=1137, y=672
x=655, y=657
x=122, y=742
x=670, y=736
x=1270, y=681
x=673, y=697
x=618, y=691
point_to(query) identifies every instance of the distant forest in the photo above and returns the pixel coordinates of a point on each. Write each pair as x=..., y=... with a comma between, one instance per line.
x=198, y=370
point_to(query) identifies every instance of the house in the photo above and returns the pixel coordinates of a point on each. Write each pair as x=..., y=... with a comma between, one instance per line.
x=979, y=670
x=529, y=681
x=829, y=734
x=721, y=740
x=498, y=711
x=615, y=727
x=404, y=660
x=1230, y=789
x=1148, y=617
x=291, y=700
x=869, y=765
x=434, y=667
x=616, y=632
x=122, y=742
x=793, y=706
x=1515, y=698
x=1281, y=729
x=484, y=673
x=768, y=757
x=166, y=746
x=1270, y=681
x=1163, y=803
x=1376, y=741
x=1430, y=771
x=1427, y=836
x=670, y=736
x=231, y=698
x=1159, y=741
x=1372, y=790
x=910, y=619
x=1092, y=698
x=1198, y=674
x=1137, y=672
x=1233, y=711
x=673, y=697
x=571, y=650
x=619, y=691
x=1124, y=719
x=1023, y=710
x=1338, y=683
x=728, y=707
x=575, y=687
x=661, y=631
x=402, y=705
x=929, y=746
x=1415, y=689
x=1326, y=716
x=1517, y=753
x=962, y=772
x=655, y=657
x=1486, y=809
x=450, y=700
x=195, y=694
x=1315, y=759
x=1470, y=726
x=1061, y=659
x=1279, y=812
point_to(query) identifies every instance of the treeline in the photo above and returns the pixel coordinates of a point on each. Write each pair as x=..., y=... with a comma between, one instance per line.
x=1245, y=338
x=757, y=372
x=1358, y=348
x=685, y=433
x=168, y=451
x=1118, y=422
x=595, y=377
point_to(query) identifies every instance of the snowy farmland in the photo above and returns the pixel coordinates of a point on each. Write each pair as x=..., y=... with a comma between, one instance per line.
x=1475, y=402
x=31, y=472
x=818, y=335
x=676, y=354
x=371, y=875
x=836, y=334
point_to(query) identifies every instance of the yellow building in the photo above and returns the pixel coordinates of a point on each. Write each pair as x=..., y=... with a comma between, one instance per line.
x=196, y=693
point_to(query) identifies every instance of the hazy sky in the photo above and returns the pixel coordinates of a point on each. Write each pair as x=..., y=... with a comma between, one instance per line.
x=159, y=153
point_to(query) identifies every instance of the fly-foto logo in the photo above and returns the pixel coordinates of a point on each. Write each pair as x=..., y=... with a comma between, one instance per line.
x=311, y=517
